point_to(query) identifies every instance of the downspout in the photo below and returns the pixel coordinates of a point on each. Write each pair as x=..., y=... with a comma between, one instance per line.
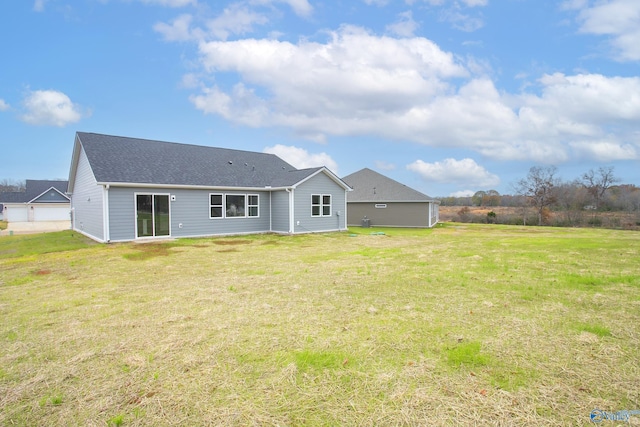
x=105, y=213
x=270, y=212
x=72, y=217
x=291, y=210
x=345, y=210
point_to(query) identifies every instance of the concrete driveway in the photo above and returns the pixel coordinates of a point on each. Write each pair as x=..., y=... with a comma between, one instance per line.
x=35, y=227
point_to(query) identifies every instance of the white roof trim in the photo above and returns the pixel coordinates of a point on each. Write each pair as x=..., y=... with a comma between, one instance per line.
x=329, y=174
x=188, y=187
x=46, y=191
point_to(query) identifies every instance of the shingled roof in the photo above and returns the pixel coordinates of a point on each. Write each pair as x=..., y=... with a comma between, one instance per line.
x=33, y=189
x=370, y=186
x=116, y=159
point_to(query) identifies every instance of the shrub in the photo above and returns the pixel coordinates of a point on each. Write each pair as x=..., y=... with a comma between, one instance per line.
x=464, y=214
x=595, y=221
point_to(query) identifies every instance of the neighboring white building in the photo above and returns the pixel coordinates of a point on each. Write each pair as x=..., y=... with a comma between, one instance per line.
x=41, y=201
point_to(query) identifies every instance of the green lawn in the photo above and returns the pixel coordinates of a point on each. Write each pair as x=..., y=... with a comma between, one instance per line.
x=459, y=325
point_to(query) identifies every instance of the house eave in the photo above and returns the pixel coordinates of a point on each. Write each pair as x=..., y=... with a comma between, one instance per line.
x=330, y=174
x=189, y=187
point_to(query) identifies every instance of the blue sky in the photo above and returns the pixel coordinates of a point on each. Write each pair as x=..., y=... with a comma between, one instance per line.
x=446, y=96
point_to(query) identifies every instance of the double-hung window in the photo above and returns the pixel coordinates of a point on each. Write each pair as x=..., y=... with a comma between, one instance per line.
x=234, y=205
x=215, y=205
x=321, y=205
x=253, y=207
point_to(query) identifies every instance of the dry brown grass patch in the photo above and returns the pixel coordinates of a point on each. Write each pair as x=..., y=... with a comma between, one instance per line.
x=231, y=242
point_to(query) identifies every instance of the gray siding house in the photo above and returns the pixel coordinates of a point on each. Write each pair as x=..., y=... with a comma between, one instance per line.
x=42, y=200
x=125, y=189
x=385, y=202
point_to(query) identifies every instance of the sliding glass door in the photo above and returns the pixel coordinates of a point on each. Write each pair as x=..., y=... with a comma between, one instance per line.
x=152, y=215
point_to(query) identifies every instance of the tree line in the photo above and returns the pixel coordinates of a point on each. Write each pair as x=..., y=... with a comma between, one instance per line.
x=10, y=185
x=544, y=199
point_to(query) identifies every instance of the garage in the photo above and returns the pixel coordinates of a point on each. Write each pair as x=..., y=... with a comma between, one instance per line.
x=14, y=212
x=51, y=213
x=40, y=201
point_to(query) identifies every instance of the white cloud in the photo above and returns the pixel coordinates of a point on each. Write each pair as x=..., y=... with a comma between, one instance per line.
x=314, y=86
x=190, y=81
x=468, y=3
x=451, y=171
x=590, y=98
x=50, y=107
x=462, y=193
x=3, y=105
x=618, y=19
x=455, y=12
x=179, y=29
x=301, y=158
x=473, y=3
x=300, y=7
x=385, y=166
x=241, y=106
x=171, y=3
x=405, y=26
x=574, y=4
x=605, y=150
x=346, y=86
x=462, y=21
x=38, y=5
x=235, y=19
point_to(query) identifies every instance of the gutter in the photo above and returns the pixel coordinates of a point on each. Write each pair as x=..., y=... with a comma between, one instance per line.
x=189, y=187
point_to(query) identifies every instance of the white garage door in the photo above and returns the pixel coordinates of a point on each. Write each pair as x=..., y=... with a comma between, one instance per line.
x=15, y=213
x=51, y=213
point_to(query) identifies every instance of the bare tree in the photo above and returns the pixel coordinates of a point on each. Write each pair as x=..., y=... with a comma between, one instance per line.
x=571, y=198
x=8, y=185
x=491, y=198
x=627, y=197
x=597, y=183
x=538, y=187
x=478, y=197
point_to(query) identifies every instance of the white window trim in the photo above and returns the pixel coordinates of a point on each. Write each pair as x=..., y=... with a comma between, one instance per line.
x=244, y=207
x=322, y=205
x=135, y=210
x=224, y=205
x=221, y=206
x=257, y=206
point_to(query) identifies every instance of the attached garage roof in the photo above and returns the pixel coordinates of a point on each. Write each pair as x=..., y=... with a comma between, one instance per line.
x=371, y=186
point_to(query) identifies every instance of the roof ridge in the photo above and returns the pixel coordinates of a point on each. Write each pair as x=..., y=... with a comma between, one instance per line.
x=370, y=185
x=131, y=138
